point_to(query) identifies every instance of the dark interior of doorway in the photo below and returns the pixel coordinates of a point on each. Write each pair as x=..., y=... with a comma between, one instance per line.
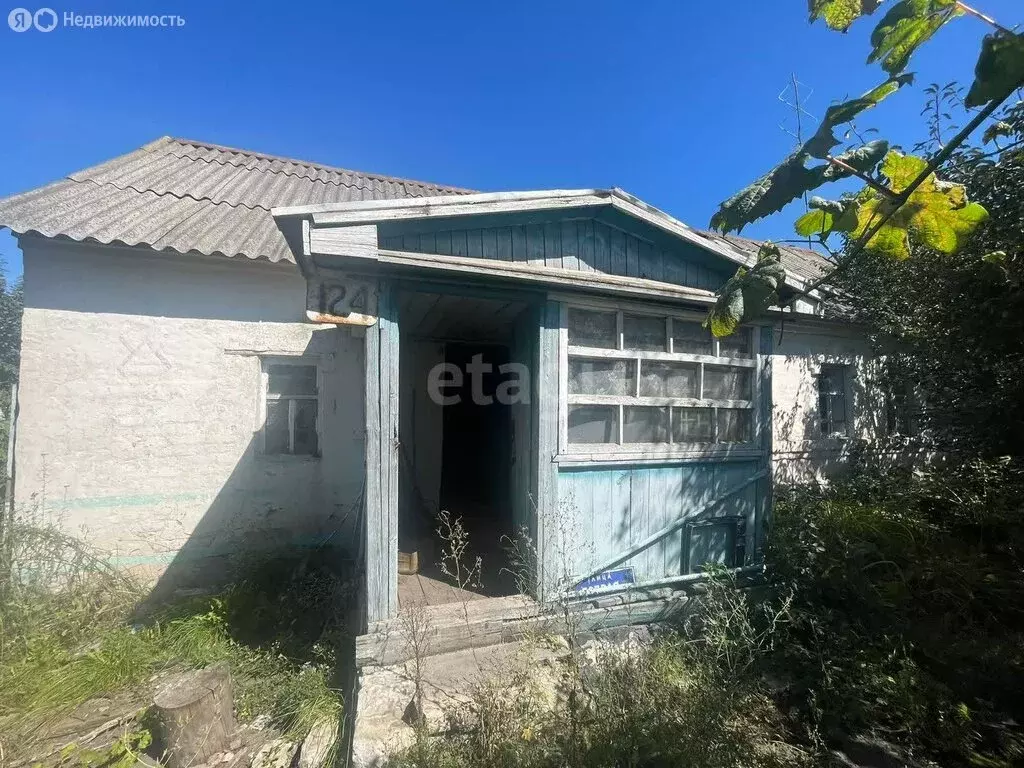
x=460, y=455
x=476, y=456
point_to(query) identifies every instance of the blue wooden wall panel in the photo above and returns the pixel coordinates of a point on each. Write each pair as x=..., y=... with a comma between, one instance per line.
x=579, y=244
x=610, y=510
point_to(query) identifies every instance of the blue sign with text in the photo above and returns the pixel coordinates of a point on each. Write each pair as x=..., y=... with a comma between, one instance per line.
x=609, y=580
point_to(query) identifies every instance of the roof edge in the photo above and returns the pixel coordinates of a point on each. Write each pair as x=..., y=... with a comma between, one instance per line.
x=371, y=211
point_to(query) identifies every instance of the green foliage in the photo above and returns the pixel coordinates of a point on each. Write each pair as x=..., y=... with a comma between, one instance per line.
x=748, y=293
x=1000, y=68
x=905, y=26
x=67, y=635
x=840, y=14
x=666, y=705
x=904, y=595
x=937, y=214
x=123, y=753
x=792, y=178
x=827, y=216
x=958, y=319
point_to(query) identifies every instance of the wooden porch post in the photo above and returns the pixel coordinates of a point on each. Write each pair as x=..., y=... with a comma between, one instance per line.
x=381, y=446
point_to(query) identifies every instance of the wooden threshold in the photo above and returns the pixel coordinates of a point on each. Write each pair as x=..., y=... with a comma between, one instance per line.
x=430, y=630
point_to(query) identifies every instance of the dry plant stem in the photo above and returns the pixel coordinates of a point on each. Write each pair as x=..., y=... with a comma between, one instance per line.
x=901, y=199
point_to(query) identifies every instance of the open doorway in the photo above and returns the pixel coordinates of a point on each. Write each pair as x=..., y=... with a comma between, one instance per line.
x=465, y=425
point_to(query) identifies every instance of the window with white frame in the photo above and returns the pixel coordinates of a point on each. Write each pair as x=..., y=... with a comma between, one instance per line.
x=833, y=413
x=637, y=382
x=291, y=395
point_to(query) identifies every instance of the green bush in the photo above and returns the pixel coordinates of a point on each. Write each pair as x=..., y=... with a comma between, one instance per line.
x=907, y=604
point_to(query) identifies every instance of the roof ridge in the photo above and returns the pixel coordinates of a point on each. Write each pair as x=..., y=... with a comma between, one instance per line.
x=307, y=163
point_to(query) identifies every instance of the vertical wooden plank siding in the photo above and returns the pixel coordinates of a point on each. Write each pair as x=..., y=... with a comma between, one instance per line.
x=614, y=509
x=581, y=245
x=547, y=500
x=381, y=495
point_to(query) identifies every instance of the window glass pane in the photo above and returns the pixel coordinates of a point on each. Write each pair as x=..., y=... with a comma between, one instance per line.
x=727, y=383
x=692, y=425
x=601, y=377
x=644, y=332
x=291, y=379
x=659, y=378
x=305, y=428
x=690, y=337
x=276, y=429
x=645, y=425
x=593, y=424
x=592, y=329
x=832, y=399
x=737, y=345
x=734, y=425
x=712, y=543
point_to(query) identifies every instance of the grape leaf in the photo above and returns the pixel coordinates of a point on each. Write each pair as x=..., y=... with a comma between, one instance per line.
x=792, y=178
x=937, y=214
x=840, y=14
x=999, y=70
x=827, y=216
x=814, y=223
x=789, y=181
x=907, y=24
x=748, y=293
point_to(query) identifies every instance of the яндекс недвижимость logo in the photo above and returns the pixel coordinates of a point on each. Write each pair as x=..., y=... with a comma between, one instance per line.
x=22, y=19
x=46, y=20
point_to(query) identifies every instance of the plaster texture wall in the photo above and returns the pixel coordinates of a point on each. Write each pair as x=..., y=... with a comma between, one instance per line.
x=801, y=453
x=141, y=407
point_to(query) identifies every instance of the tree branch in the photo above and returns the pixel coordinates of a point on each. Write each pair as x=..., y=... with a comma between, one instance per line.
x=862, y=176
x=979, y=15
x=902, y=198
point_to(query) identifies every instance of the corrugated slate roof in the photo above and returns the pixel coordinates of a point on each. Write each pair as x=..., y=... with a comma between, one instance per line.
x=192, y=196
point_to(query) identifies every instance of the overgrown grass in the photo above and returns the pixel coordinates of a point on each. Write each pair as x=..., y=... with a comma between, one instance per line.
x=68, y=634
x=894, y=611
x=687, y=699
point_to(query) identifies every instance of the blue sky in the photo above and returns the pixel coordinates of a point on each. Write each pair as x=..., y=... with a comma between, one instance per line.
x=676, y=102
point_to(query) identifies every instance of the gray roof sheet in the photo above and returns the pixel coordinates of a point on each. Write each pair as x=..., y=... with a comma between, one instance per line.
x=192, y=196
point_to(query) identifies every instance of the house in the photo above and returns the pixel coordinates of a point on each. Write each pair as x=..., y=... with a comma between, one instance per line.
x=226, y=352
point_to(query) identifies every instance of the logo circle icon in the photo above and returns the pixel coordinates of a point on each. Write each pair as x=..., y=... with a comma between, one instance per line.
x=45, y=19
x=20, y=19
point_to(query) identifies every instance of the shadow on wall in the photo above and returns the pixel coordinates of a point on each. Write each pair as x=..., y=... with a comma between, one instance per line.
x=802, y=453
x=144, y=435
x=287, y=505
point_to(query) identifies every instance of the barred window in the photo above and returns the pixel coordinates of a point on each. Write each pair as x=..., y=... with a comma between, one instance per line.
x=645, y=382
x=292, y=404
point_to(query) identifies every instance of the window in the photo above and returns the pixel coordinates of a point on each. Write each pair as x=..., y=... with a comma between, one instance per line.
x=292, y=403
x=715, y=540
x=899, y=416
x=832, y=411
x=638, y=382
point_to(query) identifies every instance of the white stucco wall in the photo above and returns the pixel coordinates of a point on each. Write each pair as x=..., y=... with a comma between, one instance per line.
x=801, y=452
x=140, y=407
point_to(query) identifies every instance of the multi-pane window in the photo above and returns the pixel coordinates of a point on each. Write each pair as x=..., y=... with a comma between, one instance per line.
x=832, y=410
x=292, y=404
x=646, y=381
